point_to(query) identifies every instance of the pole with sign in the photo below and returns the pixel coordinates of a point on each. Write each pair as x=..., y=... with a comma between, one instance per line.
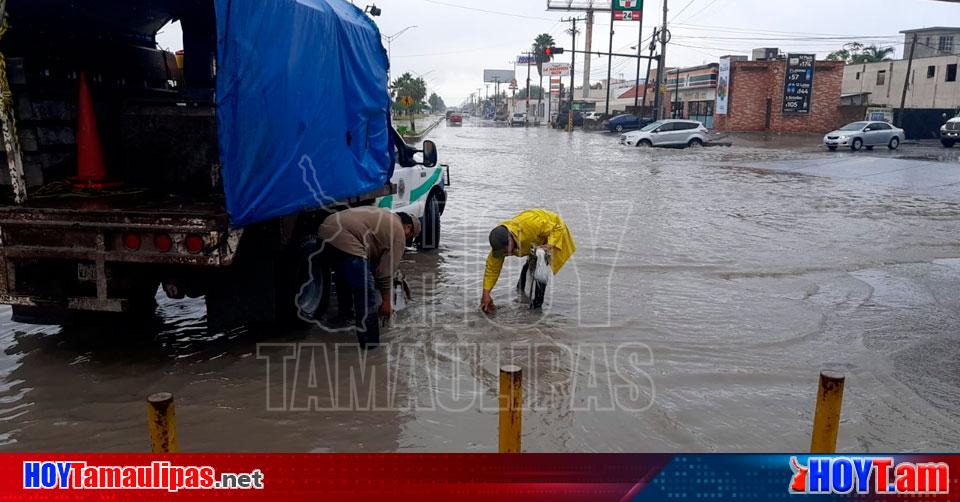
x=798, y=83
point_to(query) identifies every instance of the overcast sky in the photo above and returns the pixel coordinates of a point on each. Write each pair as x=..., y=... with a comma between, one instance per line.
x=456, y=39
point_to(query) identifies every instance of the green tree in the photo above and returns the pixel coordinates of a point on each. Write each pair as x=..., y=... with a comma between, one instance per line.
x=436, y=103
x=414, y=88
x=540, y=44
x=857, y=53
x=536, y=92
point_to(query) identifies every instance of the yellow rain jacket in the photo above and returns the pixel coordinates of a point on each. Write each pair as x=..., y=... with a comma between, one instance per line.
x=533, y=228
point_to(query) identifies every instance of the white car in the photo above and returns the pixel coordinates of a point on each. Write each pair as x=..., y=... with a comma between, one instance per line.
x=519, y=119
x=865, y=134
x=593, y=116
x=667, y=133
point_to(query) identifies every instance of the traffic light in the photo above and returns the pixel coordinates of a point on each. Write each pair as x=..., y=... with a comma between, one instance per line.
x=553, y=51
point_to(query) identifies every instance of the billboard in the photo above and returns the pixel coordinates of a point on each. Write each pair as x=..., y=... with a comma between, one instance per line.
x=500, y=76
x=526, y=59
x=556, y=69
x=723, y=87
x=635, y=5
x=798, y=83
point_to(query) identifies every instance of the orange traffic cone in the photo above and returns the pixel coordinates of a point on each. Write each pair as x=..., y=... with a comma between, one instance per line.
x=91, y=170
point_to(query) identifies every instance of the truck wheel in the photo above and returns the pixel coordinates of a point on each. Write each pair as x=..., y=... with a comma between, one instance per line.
x=303, y=288
x=947, y=143
x=430, y=235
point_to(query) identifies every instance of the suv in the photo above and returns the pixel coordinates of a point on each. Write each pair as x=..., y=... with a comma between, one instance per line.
x=668, y=133
x=518, y=119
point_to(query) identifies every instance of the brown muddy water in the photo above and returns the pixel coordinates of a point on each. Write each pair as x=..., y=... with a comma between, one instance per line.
x=709, y=289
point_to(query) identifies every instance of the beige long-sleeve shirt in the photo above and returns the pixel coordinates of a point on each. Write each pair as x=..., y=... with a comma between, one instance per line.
x=368, y=232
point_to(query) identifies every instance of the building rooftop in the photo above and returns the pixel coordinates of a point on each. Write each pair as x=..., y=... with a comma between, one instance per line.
x=932, y=28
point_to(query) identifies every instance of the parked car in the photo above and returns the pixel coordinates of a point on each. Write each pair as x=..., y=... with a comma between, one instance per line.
x=595, y=116
x=626, y=122
x=866, y=134
x=671, y=132
x=562, y=119
x=950, y=132
x=518, y=119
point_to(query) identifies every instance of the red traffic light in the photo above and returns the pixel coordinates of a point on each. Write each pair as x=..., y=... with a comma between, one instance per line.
x=553, y=51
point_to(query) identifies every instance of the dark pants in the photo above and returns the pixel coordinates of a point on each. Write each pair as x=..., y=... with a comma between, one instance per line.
x=356, y=289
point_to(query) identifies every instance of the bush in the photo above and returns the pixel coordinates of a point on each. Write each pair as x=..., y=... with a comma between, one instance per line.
x=403, y=130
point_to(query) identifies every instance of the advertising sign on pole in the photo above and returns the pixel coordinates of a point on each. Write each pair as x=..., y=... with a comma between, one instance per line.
x=501, y=76
x=723, y=87
x=798, y=83
x=556, y=69
x=627, y=15
x=632, y=5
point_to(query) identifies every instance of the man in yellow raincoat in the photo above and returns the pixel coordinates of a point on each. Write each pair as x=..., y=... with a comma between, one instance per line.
x=518, y=237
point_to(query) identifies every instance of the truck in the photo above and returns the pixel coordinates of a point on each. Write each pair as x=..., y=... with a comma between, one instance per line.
x=217, y=164
x=950, y=132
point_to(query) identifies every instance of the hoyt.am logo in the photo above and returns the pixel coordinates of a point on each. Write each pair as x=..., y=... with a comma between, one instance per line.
x=868, y=475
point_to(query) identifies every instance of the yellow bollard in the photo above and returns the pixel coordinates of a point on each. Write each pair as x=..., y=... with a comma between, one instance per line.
x=511, y=408
x=826, y=422
x=162, y=419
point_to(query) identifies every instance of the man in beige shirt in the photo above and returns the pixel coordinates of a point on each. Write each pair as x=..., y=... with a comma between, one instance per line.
x=364, y=246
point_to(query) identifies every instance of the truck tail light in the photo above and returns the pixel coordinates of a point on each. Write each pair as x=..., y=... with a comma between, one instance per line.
x=132, y=242
x=194, y=244
x=163, y=243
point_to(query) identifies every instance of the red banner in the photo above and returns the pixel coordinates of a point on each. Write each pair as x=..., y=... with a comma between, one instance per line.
x=627, y=15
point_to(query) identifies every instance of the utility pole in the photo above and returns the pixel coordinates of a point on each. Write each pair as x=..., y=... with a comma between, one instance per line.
x=573, y=64
x=526, y=116
x=677, y=114
x=586, y=60
x=906, y=81
x=663, y=61
x=646, y=80
x=610, y=65
x=636, y=91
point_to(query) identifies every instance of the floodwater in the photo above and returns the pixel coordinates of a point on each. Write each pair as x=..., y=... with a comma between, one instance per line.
x=709, y=288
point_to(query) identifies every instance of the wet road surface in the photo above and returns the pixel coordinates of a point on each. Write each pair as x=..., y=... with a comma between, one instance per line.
x=709, y=288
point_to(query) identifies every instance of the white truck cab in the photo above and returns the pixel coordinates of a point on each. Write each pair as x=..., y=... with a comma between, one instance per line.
x=950, y=132
x=420, y=190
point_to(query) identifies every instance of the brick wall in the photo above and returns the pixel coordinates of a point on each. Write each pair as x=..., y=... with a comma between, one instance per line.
x=756, y=99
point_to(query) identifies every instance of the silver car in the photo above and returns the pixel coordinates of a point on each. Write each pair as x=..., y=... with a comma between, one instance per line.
x=680, y=133
x=867, y=134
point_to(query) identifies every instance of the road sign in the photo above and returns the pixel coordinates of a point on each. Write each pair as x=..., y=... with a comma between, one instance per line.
x=406, y=101
x=626, y=15
x=527, y=59
x=556, y=69
x=798, y=83
x=634, y=5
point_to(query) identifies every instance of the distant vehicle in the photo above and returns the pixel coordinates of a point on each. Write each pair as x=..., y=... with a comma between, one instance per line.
x=626, y=122
x=518, y=119
x=950, y=132
x=455, y=119
x=562, y=120
x=595, y=116
x=681, y=133
x=866, y=134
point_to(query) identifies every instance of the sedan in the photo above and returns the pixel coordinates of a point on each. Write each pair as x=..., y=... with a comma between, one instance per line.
x=867, y=134
x=626, y=122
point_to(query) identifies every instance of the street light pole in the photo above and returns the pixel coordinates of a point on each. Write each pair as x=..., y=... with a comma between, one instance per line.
x=390, y=39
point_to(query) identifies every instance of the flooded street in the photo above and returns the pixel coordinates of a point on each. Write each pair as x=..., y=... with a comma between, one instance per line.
x=709, y=288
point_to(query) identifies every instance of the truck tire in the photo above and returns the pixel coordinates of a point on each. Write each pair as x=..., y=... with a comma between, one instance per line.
x=313, y=291
x=430, y=235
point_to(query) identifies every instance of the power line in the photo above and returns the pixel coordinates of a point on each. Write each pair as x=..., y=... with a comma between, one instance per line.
x=487, y=11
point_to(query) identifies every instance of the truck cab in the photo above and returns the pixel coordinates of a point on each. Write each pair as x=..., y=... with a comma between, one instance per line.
x=950, y=132
x=203, y=194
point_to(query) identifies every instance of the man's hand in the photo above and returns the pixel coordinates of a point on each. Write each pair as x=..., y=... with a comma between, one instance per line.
x=486, y=304
x=386, y=307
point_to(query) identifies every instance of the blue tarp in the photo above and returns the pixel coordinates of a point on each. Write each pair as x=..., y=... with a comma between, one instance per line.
x=302, y=106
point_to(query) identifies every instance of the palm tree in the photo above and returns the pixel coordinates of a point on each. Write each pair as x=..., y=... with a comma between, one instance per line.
x=873, y=54
x=414, y=88
x=540, y=44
